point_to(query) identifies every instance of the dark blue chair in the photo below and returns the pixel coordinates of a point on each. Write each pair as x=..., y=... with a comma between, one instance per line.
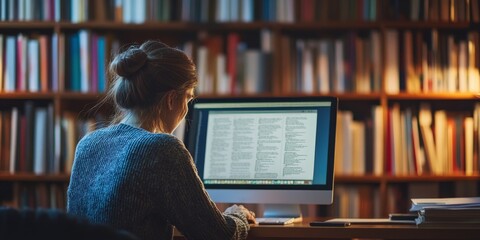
x=53, y=224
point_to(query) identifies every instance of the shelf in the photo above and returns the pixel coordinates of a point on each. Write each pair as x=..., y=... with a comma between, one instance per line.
x=369, y=25
x=341, y=96
x=30, y=177
x=422, y=25
x=30, y=25
x=81, y=96
x=302, y=26
x=27, y=95
x=168, y=26
x=431, y=178
x=115, y=26
x=358, y=179
x=357, y=96
x=403, y=179
x=434, y=96
x=367, y=96
x=196, y=26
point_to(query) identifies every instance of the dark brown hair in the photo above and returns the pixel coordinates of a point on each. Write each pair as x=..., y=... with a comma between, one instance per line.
x=142, y=75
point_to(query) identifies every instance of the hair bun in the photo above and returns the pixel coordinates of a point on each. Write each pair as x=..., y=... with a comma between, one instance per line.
x=129, y=62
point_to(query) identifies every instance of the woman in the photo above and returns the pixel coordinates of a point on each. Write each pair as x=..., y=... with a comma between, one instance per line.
x=136, y=176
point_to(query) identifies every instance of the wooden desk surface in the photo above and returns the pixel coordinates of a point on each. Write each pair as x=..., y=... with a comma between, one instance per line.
x=378, y=231
x=303, y=231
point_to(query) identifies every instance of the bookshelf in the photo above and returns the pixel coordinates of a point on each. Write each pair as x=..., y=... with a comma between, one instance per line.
x=384, y=60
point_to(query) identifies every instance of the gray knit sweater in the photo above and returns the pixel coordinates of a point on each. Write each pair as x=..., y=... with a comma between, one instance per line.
x=145, y=183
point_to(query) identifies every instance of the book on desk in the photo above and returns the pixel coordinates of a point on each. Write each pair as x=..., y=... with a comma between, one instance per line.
x=447, y=212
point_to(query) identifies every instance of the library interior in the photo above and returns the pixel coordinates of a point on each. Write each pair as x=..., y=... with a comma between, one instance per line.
x=399, y=81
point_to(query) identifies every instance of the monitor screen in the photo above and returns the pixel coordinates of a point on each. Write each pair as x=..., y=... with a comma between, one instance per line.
x=264, y=150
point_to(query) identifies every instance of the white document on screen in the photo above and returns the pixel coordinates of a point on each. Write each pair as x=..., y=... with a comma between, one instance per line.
x=257, y=146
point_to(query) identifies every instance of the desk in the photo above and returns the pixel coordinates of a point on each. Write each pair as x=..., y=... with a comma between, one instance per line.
x=382, y=231
x=302, y=231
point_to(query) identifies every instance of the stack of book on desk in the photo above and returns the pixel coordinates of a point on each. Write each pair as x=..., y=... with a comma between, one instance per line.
x=447, y=212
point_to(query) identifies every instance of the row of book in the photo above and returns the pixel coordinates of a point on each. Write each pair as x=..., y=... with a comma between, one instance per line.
x=232, y=66
x=432, y=62
x=355, y=202
x=33, y=141
x=41, y=63
x=28, y=63
x=413, y=141
x=27, y=139
x=344, y=64
x=29, y=10
x=35, y=195
x=83, y=59
x=413, y=61
x=432, y=10
x=140, y=11
x=359, y=146
x=435, y=142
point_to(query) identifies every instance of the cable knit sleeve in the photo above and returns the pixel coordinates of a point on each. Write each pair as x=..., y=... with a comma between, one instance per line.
x=187, y=204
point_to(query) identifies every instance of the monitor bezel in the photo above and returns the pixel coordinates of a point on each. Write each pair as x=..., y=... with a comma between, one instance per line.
x=190, y=141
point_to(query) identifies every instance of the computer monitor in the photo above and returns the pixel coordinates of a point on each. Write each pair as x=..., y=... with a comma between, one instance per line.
x=275, y=151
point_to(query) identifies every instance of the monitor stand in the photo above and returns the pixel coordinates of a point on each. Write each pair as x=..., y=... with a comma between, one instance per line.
x=282, y=211
x=280, y=214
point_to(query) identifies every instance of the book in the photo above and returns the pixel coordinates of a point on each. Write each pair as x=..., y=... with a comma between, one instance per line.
x=449, y=215
x=69, y=137
x=464, y=202
x=13, y=138
x=339, y=73
x=27, y=136
x=378, y=132
x=50, y=139
x=44, y=59
x=84, y=46
x=446, y=217
x=73, y=84
x=6, y=135
x=3, y=162
x=391, y=63
x=323, y=74
x=252, y=70
x=39, y=140
x=358, y=148
x=10, y=75
x=101, y=61
x=1, y=62
x=93, y=63
x=425, y=123
x=33, y=65
x=468, y=134
x=232, y=45
x=21, y=67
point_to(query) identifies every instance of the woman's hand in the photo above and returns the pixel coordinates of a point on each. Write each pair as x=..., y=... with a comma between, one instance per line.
x=243, y=210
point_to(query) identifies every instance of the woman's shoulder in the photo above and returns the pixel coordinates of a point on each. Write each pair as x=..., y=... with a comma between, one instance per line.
x=123, y=135
x=169, y=144
x=168, y=147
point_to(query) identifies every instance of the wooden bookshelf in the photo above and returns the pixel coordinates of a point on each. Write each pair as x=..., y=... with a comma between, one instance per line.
x=28, y=177
x=352, y=179
x=330, y=24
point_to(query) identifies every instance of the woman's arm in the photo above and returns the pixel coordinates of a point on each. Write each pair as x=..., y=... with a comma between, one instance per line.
x=189, y=208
